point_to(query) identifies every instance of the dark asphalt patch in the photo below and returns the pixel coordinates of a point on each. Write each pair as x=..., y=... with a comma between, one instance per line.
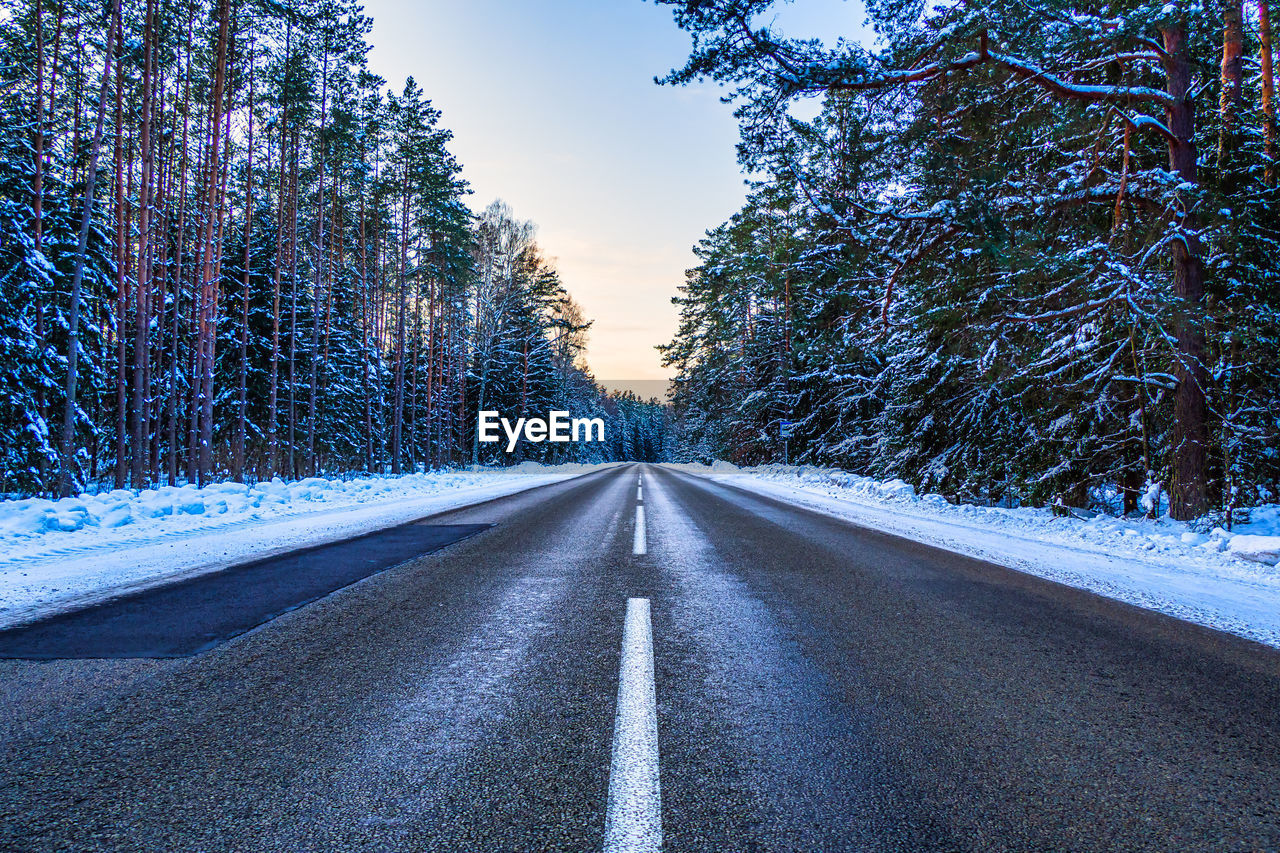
x=194, y=615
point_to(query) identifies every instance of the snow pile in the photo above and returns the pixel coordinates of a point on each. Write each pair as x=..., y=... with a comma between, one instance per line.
x=1257, y=541
x=56, y=553
x=211, y=505
x=1228, y=580
x=1259, y=549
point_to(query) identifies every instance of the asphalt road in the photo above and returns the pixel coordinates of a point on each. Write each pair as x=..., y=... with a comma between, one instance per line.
x=199, y=613
x=818, y=686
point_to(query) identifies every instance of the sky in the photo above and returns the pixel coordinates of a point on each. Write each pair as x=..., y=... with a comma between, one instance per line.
x=554, y=110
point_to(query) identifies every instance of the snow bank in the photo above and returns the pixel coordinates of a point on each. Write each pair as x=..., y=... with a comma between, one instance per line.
x=1225, y=580
x=1258, y=549
x=60, y=553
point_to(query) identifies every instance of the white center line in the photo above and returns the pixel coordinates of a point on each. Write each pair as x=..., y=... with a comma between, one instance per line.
x=638, y=545
x=633, y=819
x=639, y=493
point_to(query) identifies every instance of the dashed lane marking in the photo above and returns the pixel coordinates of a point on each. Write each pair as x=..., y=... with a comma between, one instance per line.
x=633, y=817
x=638, y=545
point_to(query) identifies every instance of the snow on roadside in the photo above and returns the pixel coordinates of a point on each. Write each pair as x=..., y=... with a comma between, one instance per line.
x=66, y=553
x=1224, y=580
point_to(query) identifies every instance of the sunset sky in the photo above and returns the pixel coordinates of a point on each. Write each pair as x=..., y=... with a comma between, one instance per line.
x=554, y=110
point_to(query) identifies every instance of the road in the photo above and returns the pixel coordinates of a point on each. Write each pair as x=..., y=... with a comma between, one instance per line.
x=814, y=686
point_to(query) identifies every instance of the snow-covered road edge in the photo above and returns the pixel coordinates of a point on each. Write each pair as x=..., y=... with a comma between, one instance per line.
x=1189, y=581
x=39, y=583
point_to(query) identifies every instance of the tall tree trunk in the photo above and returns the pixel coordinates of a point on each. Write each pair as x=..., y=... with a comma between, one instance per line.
x=1231, y=98
x=273, y=392
x=1189, y=497
x=207, y=337
x=397, y=416
x=162, y=208
x=211, y=342
x=293, y=311
x=366, y=348
x=142, y=308
x=237, y=459
x=179, y=254
x=1268, y=91
x=312, y=388
x=416, y=356
x=69, y=481
x=37, y=182
x=1230, y=106
x=121, y=280
x=37, y=192
x=200, y=185
x=431, y=348
x=38, y=198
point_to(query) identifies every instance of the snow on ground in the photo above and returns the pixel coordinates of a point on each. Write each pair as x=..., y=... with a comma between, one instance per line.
x=1224, y=580
x=55, y=555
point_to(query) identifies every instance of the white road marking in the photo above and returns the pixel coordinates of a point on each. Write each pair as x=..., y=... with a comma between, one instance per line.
x=633, y=818
x=639, y=493
x=638, y=545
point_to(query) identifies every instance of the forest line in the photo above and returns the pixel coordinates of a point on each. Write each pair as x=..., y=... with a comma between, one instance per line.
x=1026, y=253
x=230, y=252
